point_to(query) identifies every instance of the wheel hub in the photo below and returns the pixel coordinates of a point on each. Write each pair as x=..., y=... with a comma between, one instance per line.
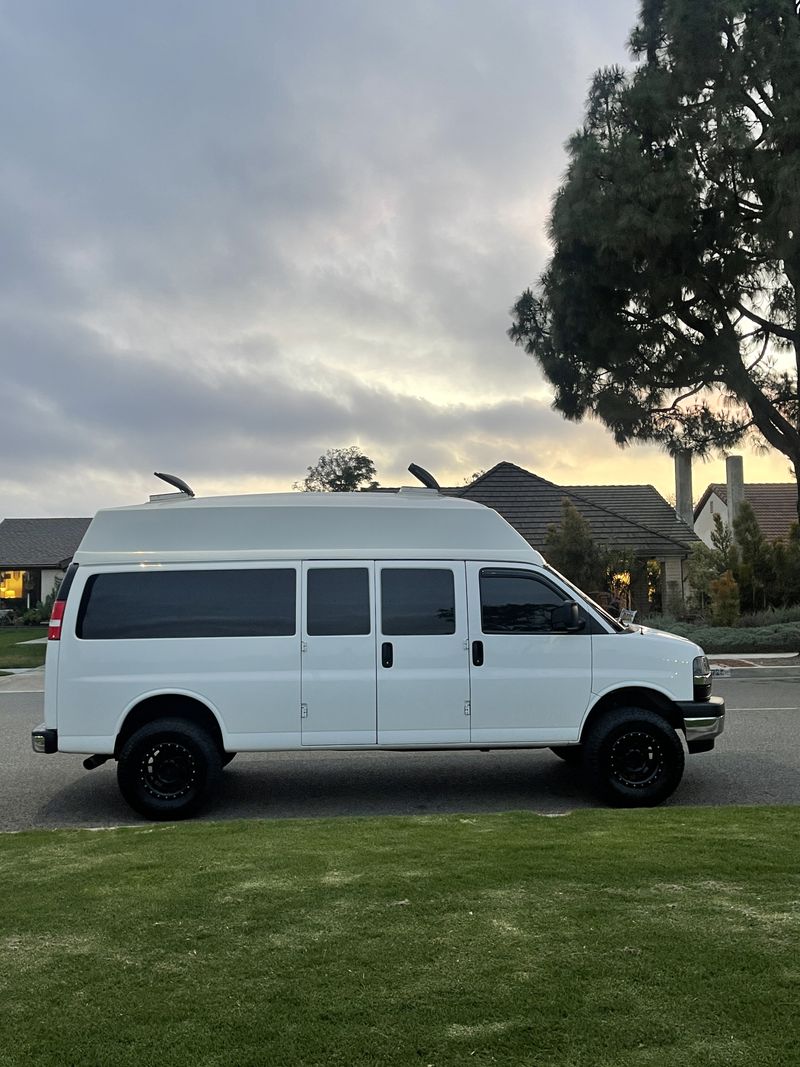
x=636, y=759
x=168, y=770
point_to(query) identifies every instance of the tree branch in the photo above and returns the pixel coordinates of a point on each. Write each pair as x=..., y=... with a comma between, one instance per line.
x=761, y=354
x=766, y=324
x=770, y=422
x=742, y=204
x=764, y=117
x=684, y=396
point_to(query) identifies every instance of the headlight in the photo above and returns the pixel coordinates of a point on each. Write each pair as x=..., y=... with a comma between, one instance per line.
x=701, y=671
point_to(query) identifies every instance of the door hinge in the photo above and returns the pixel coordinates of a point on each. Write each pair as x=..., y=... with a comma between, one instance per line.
x=303, y=646
x=467, y=707
x=466, y=644
x=304, y=711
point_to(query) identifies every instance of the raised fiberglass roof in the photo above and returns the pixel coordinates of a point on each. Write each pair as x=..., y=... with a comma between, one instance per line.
x=285, y=525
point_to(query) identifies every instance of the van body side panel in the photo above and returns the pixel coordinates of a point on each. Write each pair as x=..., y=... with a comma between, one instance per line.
x=423, y=693
x=51, y=685
x=636, y=659
x=530, y=687
x=251, y=682
x=338, y=664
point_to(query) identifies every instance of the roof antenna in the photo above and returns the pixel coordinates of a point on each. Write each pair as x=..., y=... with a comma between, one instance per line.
x=179, y=483
x=424, y=476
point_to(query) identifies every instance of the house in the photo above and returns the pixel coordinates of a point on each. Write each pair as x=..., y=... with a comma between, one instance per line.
x=774, y=504
x=635, y=518
x=34, y=553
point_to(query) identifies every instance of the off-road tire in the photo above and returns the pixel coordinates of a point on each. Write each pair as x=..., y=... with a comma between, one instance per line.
x=633, y=758
x=168, y=768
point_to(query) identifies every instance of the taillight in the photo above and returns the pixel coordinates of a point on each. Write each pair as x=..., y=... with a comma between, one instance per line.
x=54, y=630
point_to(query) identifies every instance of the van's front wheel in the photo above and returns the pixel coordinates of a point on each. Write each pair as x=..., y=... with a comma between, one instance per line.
x=634, y=758
x=167, y=768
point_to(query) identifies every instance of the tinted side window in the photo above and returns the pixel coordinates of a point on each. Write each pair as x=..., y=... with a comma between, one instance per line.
x=338, y=600
x=190, y=603
x=417, y=601
x=514, y=603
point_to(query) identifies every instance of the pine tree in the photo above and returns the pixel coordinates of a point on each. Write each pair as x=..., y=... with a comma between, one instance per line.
x=757, y=559
x=670, y=308
x=570, y=547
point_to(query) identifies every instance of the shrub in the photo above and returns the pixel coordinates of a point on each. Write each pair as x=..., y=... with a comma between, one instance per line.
x=777, y=637
x=771, y=617
x=724, y=600
x=716, y=639
x=40, y=614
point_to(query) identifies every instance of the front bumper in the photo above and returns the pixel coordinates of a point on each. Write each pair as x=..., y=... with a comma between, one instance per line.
x=703, y=722
x=44, y=740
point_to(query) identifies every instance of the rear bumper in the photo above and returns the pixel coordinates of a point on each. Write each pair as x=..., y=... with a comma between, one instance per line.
x=44, y=740
x=703, y=722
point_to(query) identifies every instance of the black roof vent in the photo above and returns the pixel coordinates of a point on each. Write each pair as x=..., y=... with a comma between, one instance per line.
x=179, y=483
x=424, y=476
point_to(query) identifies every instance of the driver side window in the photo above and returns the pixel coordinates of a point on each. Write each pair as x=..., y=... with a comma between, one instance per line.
x=516, y=602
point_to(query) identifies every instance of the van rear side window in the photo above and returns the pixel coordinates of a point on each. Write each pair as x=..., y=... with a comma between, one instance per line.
x=338, y=601
x=188, y=603
x=417, y=601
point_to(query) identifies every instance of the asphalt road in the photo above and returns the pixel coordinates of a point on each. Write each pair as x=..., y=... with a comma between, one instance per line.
x=756, y=761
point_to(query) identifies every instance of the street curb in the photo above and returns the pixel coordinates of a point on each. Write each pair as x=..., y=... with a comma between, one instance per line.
x=764, y=673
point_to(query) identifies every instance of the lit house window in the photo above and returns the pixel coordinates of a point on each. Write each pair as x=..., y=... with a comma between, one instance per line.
x=11, y=586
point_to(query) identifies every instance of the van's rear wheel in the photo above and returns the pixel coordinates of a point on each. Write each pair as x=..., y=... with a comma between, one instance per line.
x=634, y=758
x=167, y=768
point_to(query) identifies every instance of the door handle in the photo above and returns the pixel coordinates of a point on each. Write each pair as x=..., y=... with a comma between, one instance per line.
x=387, y=654
x=477, y=653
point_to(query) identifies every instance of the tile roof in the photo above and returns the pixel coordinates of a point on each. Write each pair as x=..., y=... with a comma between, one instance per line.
x=28, y=543
x=635, y=517
x=774, y=503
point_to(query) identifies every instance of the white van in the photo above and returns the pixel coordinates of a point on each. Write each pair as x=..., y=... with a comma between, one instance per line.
x=187, y=630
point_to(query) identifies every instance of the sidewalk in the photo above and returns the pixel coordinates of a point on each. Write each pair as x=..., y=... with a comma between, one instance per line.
x=763, y=665
x=30, y=681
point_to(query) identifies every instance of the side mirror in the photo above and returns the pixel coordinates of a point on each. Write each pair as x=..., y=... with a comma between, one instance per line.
x=566, y=618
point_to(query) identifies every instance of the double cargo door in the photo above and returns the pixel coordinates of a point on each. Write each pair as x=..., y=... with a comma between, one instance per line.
x=393, y=653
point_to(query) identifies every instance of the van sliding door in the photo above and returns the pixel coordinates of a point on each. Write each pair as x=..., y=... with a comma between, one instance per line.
x=338, y=657
x=423, y=665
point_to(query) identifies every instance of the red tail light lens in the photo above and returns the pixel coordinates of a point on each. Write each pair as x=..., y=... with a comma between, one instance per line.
x=54, y=631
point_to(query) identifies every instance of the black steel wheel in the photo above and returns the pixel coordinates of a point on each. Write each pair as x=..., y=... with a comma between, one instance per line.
x=634, y=758
x=167, y=768
x=571, y=754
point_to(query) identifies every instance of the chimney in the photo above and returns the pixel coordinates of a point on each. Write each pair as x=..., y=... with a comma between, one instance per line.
x=684, y=506
x=734, y=472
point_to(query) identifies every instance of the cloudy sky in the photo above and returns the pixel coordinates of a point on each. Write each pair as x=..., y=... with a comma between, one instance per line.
x=237, y=234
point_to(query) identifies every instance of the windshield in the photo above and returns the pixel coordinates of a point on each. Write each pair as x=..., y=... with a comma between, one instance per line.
x=615, y=624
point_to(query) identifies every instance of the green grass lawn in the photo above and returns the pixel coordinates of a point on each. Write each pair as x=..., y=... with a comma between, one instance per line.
x=15, y=654
x=659, y=938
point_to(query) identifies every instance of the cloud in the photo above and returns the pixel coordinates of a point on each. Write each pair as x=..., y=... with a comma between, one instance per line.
x=237, y=236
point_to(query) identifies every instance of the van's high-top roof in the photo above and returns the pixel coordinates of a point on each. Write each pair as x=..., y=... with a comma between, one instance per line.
x=412, y=523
